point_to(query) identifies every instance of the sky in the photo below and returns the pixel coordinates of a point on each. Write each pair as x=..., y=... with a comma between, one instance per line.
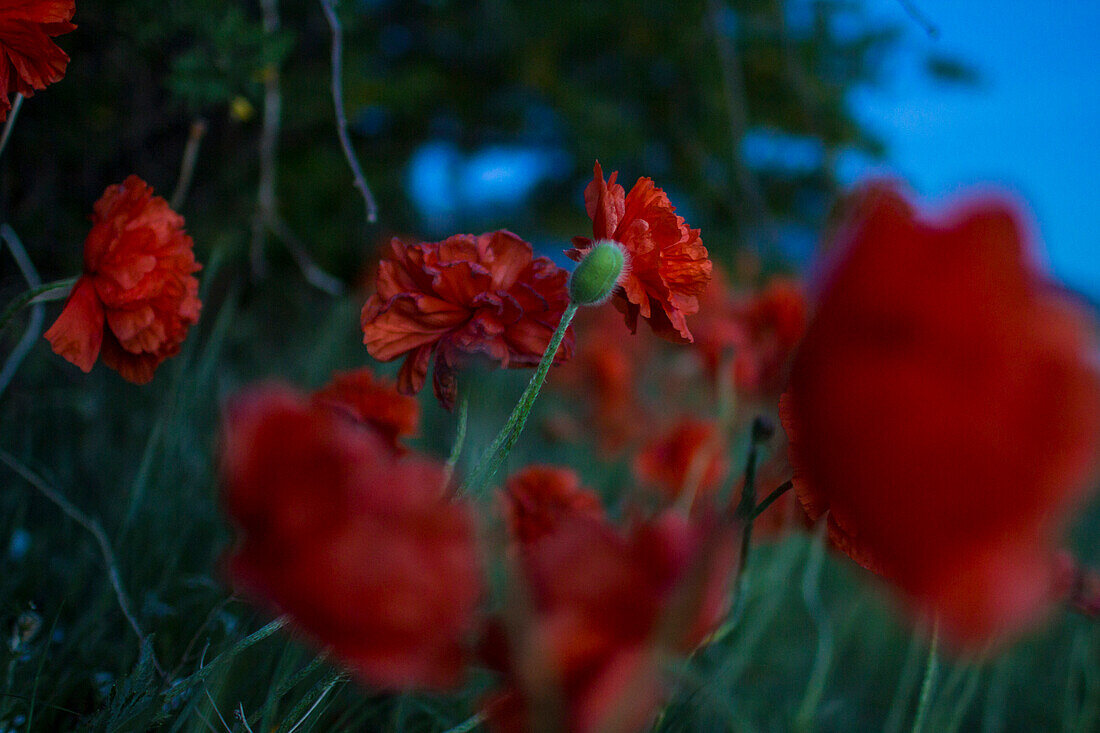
x=1031, y=125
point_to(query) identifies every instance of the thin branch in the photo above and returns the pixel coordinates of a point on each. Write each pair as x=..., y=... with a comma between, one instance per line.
x=341, y=116
x=38, y=311
x=187, y=166
x=10, y=124
x=96, y=531
x=267, y=219
x=920, y=18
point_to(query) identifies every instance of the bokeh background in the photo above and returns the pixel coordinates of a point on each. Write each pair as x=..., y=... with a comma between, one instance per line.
x=754, y=115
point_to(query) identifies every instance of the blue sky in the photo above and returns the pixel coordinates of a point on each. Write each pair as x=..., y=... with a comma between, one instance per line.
x=1031, y=126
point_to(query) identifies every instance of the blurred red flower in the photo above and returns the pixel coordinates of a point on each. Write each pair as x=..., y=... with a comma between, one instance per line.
x=372, y=401
x=360, y=548
x=29, y=60
x=689, y=456
x=605, y=610
x=667, y=268
x=761, y=330
x=604, y=375
x=943, y=409
x=138, y=295
x=538, y=498
x=465, y=295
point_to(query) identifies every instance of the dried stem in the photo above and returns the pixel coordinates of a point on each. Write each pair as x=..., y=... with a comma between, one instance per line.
x=187, y=166
x=341, y=116
x=96, y=531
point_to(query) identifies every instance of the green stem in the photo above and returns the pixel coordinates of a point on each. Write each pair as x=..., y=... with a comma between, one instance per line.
x=460, y=436
x=931, y=668
x=501, y=446
x=35, y=294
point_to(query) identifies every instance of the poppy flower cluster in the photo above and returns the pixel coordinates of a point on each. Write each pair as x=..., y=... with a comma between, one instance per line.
x=138, y=295
x=358, y=546
x=29, y=58
x=943, y=409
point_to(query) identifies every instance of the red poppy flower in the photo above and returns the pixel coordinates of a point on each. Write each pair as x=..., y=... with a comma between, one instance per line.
x=138, y=295
x=537, y=499
x=690, y=455
x=359, y=548
x=29, y=60
x=943, y=411
x=761, y=330
x=465, y=295
x=606, y=608
x=372, y=401
x=667, y=268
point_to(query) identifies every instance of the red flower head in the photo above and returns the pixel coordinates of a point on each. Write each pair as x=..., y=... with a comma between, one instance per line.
x=667, y=267
x=29, y=60
x=690, y=456
x=539, y=498
x=358, y=547
x=465, y=295
x=372, y=401
x=606, y=608
x=138, y=294
x=942, y=410
x=762, y=331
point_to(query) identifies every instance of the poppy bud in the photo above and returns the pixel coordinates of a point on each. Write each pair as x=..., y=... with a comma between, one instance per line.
x=598, y=273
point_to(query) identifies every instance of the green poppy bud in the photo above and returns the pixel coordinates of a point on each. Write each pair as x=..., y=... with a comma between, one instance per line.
x=596, y=275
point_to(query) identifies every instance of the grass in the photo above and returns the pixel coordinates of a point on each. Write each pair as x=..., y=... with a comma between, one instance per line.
x=815, y=644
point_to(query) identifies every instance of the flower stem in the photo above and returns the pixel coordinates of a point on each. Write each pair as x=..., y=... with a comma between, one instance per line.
x=501, y=446
x=42, y=293
x=771, y=498
x=931, y=668
x=460, y=436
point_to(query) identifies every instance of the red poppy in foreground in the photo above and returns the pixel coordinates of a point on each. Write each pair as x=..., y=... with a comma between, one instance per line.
x=29, y=59
x=606, y=610
x=667, y=267
x=944, y=411
x=466, y=295
x=360, y=548
x=138, y=295
x=372, y=401
x=538, y=498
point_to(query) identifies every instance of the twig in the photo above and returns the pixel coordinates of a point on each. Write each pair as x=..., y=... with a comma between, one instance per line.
x=341, y=116
x=269, y=140
x=919, y=18
x=187, y=166
x=96, y=531
x=266, y=218
x=10, y=124
x=38, y=311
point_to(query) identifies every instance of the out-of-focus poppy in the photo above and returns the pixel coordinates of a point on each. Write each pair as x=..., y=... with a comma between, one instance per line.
x=376, y=402
x=538, y=498
x=689, y=456
x=358, y=547
x=944, y=409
